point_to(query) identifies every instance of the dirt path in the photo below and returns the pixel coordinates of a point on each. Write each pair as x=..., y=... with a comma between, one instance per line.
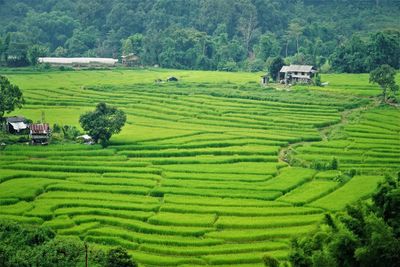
x=328, y=131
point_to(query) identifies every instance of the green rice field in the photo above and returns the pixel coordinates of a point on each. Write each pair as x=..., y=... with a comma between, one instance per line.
x=211, y=170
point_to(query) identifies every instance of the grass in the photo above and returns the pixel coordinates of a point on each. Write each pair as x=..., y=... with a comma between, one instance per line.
x=357, y=188
x=240, y=222
x=309, y=192
x=197, y=176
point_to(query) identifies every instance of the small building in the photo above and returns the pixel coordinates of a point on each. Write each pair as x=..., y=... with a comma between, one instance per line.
x=172, y=79
x=130, y=60
x=16, y=125
x=296, y=74
x=85, y=139
x=265, y=79
x=39, y=133
x=78, y=61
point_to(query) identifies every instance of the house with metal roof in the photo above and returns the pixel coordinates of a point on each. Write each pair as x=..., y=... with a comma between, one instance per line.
x=78, y=61
x=16, y=124
x=297, y=74
x=130, y=60
x=39, y=133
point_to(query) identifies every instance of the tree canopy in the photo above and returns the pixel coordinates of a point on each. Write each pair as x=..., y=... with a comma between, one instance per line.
x=31, y=245
x=103, y=122
x=119, y=257
x=10, y=96
x=385, y=77
x=206, y=34
x=363, y=235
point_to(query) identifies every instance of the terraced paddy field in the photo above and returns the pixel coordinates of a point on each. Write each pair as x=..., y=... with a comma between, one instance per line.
x=212, y=170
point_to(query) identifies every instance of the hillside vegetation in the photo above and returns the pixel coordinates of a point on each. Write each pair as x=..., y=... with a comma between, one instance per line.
x=211, y=170
x=206, y=34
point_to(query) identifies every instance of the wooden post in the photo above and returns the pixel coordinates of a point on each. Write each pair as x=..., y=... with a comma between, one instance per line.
x=86, y=255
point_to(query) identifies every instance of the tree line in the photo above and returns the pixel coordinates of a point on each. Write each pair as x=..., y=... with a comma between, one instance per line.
x=30, y=245
x=365, y=234
x=205, y=34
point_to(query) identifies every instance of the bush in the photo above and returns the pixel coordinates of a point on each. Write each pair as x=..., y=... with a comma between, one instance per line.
x=270, y=261
x=334, y=164
x=118, y=257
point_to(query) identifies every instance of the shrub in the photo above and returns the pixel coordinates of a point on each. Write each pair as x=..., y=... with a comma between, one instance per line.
x=334, y=164
x=270, y=261
x=118, y=257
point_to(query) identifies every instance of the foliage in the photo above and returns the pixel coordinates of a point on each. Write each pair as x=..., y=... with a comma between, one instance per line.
x=317, y=79
x=270, y=261
x=360, y=236
x=334, y=163
x=10, y=96
x=210, y=146
x=30, y=245
x=102, y=123
x=385, y=77
x=208, y=35
x=357, y=55
x=275, y=67
x=118, y=257
x=61, y=252
x=36, y=51
x=67, y=132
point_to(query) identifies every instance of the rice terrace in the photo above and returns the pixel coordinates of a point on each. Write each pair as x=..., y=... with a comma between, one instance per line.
x=156, y=133
x=210, y=170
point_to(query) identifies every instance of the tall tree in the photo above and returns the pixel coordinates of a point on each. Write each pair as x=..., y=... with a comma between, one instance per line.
x=247, y=23
x=36, y=51
x=295, y=30
x=384, y=76
x=119, y=257
x=103, y=122
x=10, y=96
x=275, y=67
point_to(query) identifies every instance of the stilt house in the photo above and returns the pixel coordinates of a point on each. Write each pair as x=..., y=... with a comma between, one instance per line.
x=16, y=125
x=297, y=74
x=39, y=133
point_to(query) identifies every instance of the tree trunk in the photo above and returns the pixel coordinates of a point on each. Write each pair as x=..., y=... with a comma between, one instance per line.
x=287, y=44
x=86, y=255
x=384, y=95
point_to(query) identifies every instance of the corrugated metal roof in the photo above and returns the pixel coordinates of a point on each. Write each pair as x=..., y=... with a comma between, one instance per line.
x=39, y=128
x=301, y=76
x=16, y=119
x=18, y=126
x=77, y=60
x=284, y=68
x=297, y=68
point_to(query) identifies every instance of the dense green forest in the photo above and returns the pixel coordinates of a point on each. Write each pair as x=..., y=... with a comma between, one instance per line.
x=352, y=35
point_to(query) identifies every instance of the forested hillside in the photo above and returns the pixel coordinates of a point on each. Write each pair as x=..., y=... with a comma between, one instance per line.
x=205, y=34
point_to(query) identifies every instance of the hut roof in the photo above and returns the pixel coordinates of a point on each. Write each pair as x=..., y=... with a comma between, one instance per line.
x=77, y=60
x=16, y=119
x=17, y=123
x=297, y=68
x=39, y=128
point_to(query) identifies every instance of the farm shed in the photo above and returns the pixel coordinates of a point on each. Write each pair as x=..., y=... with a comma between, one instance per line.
x=297, y=74
x=16, y=124
x=78, y=61
x=265, y=79
x=172, y=79
x=39, y=133
x=130, y=60
x=86, y=139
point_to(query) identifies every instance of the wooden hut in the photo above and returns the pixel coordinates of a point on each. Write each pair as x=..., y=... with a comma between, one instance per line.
x=297, y=74
x=130, y=60
x=16, y=125
x=39, y=133
x=265, y=79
